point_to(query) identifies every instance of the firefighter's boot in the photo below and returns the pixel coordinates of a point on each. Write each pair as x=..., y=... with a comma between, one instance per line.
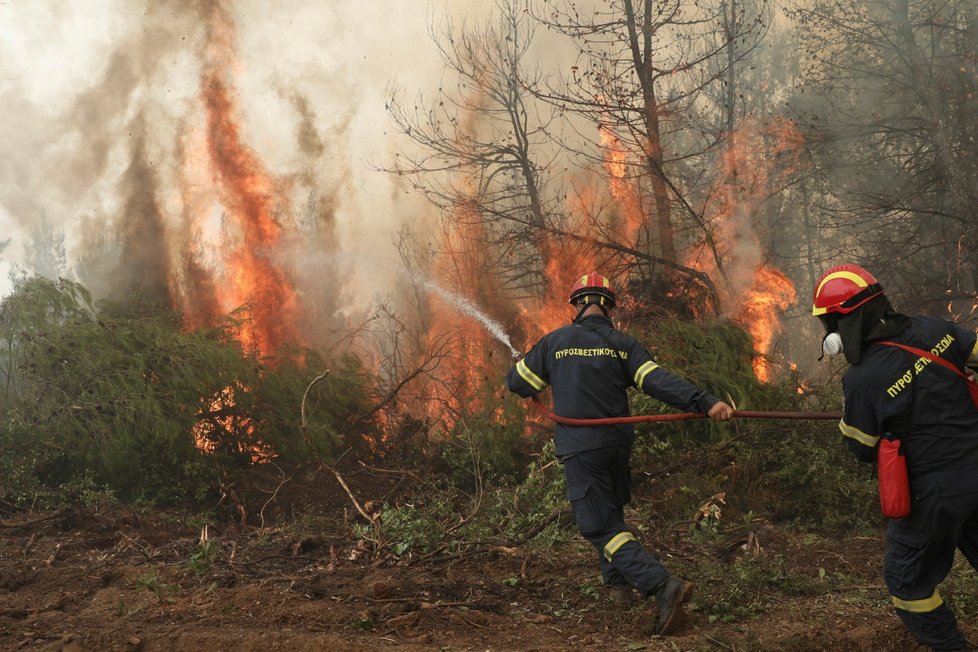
x=621, y=595
x=670, y=599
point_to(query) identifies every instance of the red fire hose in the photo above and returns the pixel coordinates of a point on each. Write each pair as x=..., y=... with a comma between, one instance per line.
x=680, y=416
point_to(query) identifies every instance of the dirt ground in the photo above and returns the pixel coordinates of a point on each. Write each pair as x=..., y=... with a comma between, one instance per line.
x=115, y=578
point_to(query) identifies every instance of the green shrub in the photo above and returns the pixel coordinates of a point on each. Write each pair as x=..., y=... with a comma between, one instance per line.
x=121, y=394
x=805, y=474
x=21, y=453
x=715, y=356
x=413, y=527
x=486, y=445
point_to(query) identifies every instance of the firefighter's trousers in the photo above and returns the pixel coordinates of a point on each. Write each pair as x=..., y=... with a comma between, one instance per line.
x=920, y=551
x=598, y=487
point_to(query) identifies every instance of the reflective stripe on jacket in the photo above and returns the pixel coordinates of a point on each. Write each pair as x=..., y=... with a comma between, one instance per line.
x=589, y=365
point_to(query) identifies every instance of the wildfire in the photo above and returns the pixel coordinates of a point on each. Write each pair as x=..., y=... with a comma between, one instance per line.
x=568, y=259
x=770, y=292
x=256, y=211
x=622, y=188
x=220, y=424
x=462, y=263
x=757, y=159
x=235, y=270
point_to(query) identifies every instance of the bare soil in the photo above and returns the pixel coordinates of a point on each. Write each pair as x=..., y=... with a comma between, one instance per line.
x=115, y=578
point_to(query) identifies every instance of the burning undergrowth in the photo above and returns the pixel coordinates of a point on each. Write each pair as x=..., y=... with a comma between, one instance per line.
x=213, y=230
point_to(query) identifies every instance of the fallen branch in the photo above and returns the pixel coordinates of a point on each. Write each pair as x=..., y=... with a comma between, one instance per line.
x=507, y=548
x=356, y=503
x=261, y=514
x=31, y=521
x=398, y=472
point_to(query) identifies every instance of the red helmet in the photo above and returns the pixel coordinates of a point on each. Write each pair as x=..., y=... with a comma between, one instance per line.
x=590, y=285
x=844, y=288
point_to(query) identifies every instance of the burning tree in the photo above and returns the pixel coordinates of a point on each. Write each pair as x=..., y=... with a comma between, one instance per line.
x=483, y=147
x=656, y=113
x=650, y=76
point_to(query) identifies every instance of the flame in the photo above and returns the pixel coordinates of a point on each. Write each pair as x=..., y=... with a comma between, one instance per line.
x=770, y=292
x=236, y=264
x=236, y=267
x=569, y=258
x=623, y=189
x=462, y=265
x=218, y=422
x=757, y=159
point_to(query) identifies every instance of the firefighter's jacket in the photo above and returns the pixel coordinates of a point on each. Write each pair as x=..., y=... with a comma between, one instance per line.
x=923, y=403
x=590, y=365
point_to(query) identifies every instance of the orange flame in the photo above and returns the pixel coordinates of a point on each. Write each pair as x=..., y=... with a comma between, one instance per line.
x=461, y=265
x=623, y=189
x=254, y=203
x=758, y=158
x=770, y=292
x=220, y=422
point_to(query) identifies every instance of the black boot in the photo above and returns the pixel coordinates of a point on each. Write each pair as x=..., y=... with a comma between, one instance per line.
x=670, y=599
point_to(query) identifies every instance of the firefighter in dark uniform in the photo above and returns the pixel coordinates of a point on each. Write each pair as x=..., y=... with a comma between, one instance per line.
x=589, y=365
x=890, y=392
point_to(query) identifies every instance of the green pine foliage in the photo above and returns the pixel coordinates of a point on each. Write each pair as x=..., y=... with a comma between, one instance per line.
x=798, y=471
x=486, y=444
x=338, y=407
x=716, y=356
x=122, y=394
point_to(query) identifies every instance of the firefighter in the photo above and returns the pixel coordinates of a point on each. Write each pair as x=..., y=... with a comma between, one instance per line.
x=891, y=393
x=589, y=365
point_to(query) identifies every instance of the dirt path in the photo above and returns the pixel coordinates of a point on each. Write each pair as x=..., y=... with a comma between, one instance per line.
x=113, y=579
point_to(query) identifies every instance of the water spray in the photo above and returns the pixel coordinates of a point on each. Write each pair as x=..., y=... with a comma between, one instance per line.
x=466, y=307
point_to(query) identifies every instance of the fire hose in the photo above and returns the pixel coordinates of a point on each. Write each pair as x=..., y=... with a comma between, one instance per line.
x=680, y=416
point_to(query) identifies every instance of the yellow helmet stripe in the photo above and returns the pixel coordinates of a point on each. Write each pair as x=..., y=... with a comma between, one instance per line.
x=849, y=276
x=919, y=606
x=534, y=380
x=617, y=542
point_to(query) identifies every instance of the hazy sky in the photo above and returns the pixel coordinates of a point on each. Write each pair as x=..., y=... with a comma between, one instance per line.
x=75, y=77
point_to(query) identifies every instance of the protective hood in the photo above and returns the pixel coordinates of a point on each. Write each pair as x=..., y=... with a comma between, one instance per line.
x=874, y=320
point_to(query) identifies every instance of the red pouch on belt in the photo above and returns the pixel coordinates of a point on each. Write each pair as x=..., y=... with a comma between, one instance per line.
x=891, y=467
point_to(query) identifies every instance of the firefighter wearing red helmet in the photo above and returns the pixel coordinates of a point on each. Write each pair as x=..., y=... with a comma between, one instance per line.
x=589, y=365
x=906, y=392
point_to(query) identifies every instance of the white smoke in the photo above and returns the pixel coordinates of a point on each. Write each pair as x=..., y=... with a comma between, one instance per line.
x=84, y=84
